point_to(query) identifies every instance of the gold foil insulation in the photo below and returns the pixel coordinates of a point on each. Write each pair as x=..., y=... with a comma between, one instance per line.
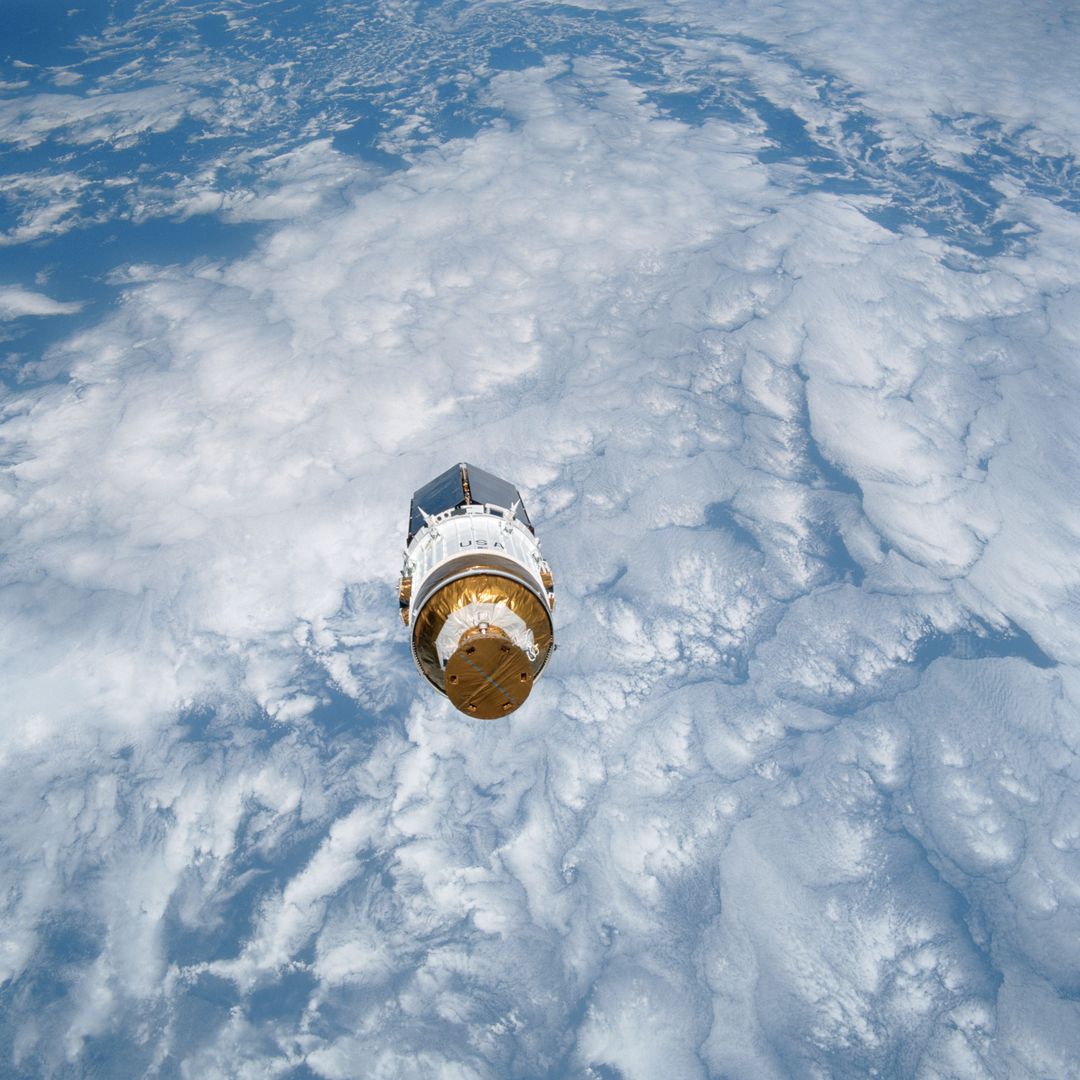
x=489, y=677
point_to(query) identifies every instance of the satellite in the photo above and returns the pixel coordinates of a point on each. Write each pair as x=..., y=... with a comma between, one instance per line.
x=476, y=593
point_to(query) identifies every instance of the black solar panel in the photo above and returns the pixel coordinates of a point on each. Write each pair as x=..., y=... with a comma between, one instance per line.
x=459, y=485
x=486, y=488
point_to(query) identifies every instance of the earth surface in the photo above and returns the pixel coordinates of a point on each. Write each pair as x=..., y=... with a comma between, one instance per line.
x=772, y=311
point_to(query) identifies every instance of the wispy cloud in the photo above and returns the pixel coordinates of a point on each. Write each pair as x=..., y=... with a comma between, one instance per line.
x=15, y=302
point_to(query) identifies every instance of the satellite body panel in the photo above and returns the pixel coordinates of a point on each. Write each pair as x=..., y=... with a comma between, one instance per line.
x=476, y=592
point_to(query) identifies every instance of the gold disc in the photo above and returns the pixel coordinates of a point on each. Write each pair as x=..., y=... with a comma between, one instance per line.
x=488, y=676
x=476, y=588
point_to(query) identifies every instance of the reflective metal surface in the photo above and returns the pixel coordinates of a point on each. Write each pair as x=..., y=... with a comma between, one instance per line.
x=478, y=587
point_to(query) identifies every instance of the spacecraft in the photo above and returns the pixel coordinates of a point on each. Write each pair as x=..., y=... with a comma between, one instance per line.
x=475, y=592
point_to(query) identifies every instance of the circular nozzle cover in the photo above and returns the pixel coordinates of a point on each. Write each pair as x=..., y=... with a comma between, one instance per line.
x=488, y=676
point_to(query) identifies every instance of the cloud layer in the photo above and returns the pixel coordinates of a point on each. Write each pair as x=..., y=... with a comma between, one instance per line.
x=778, y=342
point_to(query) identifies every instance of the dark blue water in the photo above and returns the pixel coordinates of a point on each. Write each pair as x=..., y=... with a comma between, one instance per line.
x=721, y=515
x=46, y=32
x=980, y=641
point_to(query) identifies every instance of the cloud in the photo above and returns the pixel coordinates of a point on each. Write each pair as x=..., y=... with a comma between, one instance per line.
x=25, y=121
x=15, y=302
x=794, y=796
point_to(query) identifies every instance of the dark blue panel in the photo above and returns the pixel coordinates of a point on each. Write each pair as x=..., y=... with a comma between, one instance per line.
x=458, y=486
x=487, y=488
x=443, y=493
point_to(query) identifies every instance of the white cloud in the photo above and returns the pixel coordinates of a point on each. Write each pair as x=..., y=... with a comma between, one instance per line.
x=115, y=118
x=15, y=302
x=779, y=456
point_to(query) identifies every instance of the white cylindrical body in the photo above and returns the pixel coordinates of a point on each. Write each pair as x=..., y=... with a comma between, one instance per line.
x=470, y=532
x=477, y=595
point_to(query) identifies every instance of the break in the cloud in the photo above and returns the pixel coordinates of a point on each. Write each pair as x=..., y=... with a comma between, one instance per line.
x=798, y=796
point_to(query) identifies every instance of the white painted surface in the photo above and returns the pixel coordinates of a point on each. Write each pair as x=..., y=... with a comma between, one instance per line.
x=449, y=537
